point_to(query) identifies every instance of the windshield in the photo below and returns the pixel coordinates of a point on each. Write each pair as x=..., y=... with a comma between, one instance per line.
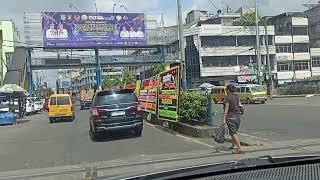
x=115, y=99
x=111, y=82
x=257, y=89
x=64, y=100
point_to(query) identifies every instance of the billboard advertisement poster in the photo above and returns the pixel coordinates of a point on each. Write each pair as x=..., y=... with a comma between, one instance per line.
x=148, y=95
x=89, y=29
x=248, y=78
x=169, y=89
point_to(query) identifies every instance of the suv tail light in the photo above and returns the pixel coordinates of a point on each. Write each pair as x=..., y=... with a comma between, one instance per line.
x=137, y=108
x=95, y=114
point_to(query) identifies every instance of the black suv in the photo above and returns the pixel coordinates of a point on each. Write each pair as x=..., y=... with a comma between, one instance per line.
x=115, y=110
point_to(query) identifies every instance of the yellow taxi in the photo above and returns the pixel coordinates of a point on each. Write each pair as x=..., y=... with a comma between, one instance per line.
x=252, y=93
x=218, y=93
x=60, y=107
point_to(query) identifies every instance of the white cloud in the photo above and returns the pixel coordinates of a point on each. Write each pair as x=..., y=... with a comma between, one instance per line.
x=150, y=8
x=130, y=5
x=267, y=7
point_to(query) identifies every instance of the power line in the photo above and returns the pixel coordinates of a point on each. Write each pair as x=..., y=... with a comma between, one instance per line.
x=214, y=5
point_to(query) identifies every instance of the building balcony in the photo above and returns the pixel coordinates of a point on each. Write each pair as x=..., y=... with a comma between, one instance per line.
x=225, y=71
x=284, y=57
x=315, y=71
x=283, y=39
x=234, y=50
x=301, y=56
x=288, y=76
x=218, y=29
x=300, y=39
x=299, y=21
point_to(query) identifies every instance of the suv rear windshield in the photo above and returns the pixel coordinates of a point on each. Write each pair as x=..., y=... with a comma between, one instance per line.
x=115, y=97
x=64, y=100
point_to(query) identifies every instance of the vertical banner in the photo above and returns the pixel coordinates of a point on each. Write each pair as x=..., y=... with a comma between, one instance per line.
x=137, y=89
x=169, y=91
x=148, y=95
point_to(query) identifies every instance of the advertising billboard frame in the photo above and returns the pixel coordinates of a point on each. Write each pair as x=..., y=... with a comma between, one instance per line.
x=177, y=88
x=91, y=30
x=147, y=91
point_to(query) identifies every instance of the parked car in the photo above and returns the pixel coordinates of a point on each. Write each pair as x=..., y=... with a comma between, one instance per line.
x=38, y=104
x=115, y=110
x=29, y=106
x=60, y=107
x=6, y=116
x=13, y=107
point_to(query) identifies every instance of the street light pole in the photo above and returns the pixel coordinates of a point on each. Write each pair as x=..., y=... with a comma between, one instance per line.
x=268, y=60
x=258, y=43
x=114, y=6
x=181, y=44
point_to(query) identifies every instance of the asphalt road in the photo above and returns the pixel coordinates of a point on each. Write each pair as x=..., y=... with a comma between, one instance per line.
x=282, y=119
x=35, y=143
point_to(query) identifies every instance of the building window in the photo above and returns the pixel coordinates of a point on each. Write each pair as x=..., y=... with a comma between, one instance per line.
x=315, y=61
x=283, y=29
x=246, y=41
x=219, y=61
x=284, y=48
x=247, y=60
x=301, y=65
x=214, y=41
x=285, y=66
x=298, y=48
x=299, y=31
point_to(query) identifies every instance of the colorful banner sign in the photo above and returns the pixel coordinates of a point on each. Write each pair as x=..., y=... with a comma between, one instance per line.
x=169, y=89
x=88, y=30
x=148, y=95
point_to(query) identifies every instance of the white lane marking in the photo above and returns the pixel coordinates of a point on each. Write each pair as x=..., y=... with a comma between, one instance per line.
x=292, y=105
x=254, y=137
x=194, y=140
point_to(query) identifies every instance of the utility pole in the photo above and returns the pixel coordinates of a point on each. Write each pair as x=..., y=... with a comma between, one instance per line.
x=163, y=40
x=270, y=85
x=181, y=43
x=258, y=43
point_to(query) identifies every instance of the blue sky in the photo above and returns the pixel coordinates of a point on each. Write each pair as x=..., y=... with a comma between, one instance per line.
x=168, y=7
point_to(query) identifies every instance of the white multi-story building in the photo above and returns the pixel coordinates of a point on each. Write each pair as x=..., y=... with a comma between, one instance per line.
x=292, y=46
x=87, y=77
x=219, y=51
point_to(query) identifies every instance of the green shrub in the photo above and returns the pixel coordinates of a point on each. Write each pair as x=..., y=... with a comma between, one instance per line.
x=193, y=107
x=298, y=89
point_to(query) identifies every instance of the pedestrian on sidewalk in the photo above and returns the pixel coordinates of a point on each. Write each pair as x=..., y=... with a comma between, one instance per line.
x=231, y=117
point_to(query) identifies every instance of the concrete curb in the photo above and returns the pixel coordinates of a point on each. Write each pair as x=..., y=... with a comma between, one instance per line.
x=246, y=142
x=290, y=96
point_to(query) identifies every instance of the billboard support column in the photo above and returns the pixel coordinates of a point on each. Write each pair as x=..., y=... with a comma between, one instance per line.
x=98, y=68
x=30, y=74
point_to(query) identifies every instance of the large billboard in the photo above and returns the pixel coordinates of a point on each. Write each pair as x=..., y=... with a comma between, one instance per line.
x=88, y=30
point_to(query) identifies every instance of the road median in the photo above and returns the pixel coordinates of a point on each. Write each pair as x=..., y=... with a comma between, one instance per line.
x=291, y=96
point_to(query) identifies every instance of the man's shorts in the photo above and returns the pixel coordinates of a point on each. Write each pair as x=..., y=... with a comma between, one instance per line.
x=233, y=123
